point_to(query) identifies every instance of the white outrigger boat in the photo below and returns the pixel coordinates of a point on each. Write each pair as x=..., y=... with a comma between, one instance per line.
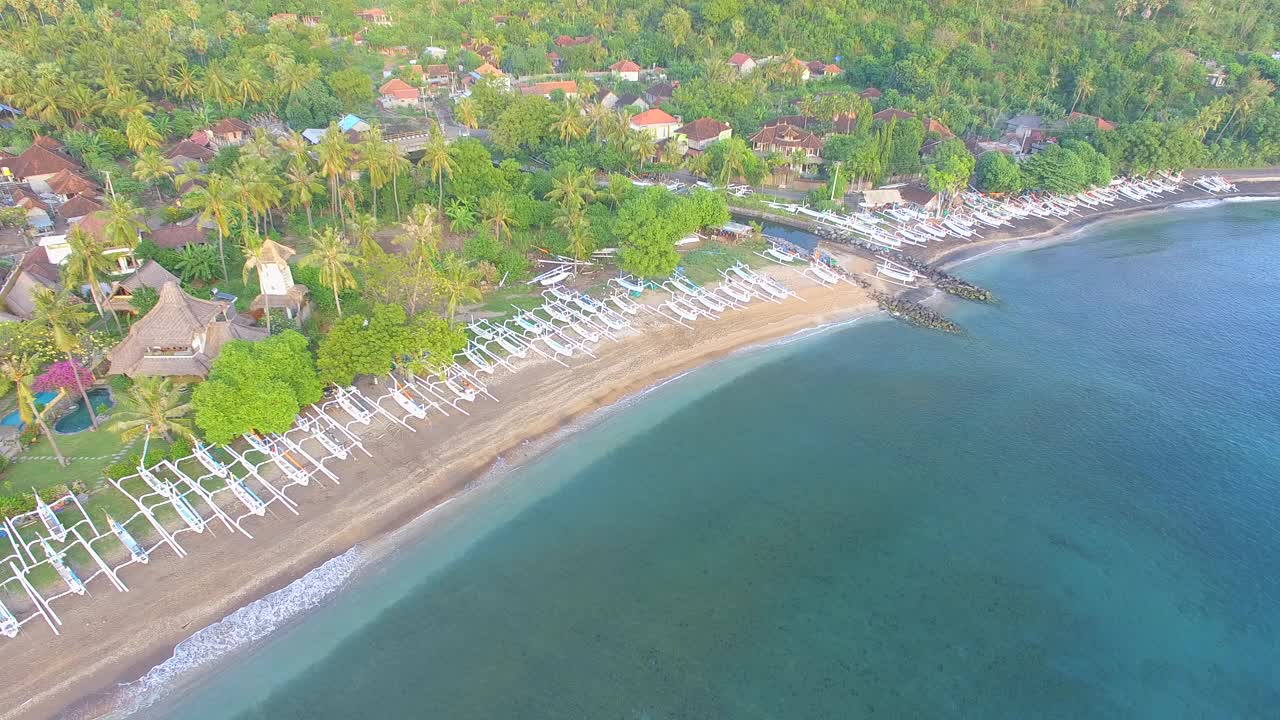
x=246, y=496
x=176, y=500
x=49, y=518
x=210, y=463
x=895, y=273
x=136, y=551
x=68, y=575
x=9, y=625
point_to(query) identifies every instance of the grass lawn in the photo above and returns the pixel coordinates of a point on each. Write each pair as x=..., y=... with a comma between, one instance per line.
x=501, y=300
x=28, y=472
x=704, y=264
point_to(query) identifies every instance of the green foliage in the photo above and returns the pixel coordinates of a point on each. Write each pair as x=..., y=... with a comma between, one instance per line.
x=726, y=161
x=525, y=123
x=256, y=386
x=949, y=167
x=197, y=263
x=433, y=341
x=474, y=174
x=352, y=88
x=1055, y=169
x=143, y=299
x=997, y=173
x=179, y=448
x=651, y=220
x=312, y=107
x=13, y=217
x=1097, y=168
x=358, y=345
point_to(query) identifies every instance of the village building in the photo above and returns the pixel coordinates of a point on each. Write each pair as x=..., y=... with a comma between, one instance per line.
x=351, y=123
x=375, y=16
x=626, y=70
x=487, y=70
x=151, y=275
x=870, y=94
x=38, y=217
x=229, y=131
x=437, y=75
x=787, y=139
x=1093, y=120
x=435, y=53
x=66, y=185
x=177, y=237
x=660, y=92
x=36, y=165
x=78, y=207
x=95, y=226
x=1022, y=126
x=606, y=98
x=630, y=100
x=656, y=122
x=279, y=291
x=742, y=62
x=933, y=127
x=564, y=41
x=180, y=337
x=700, y=134
x=888, y=114
x=34, y=271
x=545, y=89
x=397, y=93
x=800, y=121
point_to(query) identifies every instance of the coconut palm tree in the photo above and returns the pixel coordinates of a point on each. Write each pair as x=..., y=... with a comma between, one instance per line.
x=374, y=160
x=572, y=189
x=66, y=319
x=86, y=264
x=19, y=369
x=123, y=223
x=141, y=134
x=458, y=282
x=152, y=404
x=363, y=227
x=496, y=208
x=576, y=231
x=329, y=254
x=301, y=186
x=436, y=157
x=183, y=82
x=571, y=125
x=215, y=203
x=397, y=165
x=466, y=114
x=421, y=241
x=153, y=167
x=254, y=258
x=334, y=152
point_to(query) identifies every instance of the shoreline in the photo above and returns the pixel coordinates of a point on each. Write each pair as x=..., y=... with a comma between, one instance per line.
x=101, y=647
x=432, y=467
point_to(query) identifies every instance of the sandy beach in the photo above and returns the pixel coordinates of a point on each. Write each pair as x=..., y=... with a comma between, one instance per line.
x=116, y=637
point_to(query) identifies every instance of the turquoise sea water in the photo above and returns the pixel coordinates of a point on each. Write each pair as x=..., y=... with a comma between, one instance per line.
x=1071, y=511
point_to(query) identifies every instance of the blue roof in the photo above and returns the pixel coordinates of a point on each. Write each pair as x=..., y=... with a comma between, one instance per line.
x=10, y=109
x=348, y=122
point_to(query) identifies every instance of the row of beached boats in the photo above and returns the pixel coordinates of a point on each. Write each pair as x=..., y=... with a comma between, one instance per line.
x=228, y=485
x=898, y=226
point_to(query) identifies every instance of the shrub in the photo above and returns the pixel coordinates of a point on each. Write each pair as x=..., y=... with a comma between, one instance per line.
x=179, y=448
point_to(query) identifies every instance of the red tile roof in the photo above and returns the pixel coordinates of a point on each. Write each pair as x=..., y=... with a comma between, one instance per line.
x=933, y=126
x=1097, y=121
x=65, y=182
x=398, y=89
x=230, y=126
x=871, y=93
x=190, y=150
x=787, y=136
x=179, y=236
x=703, y=129
x=38, y=160
x=79, y=206
x=892, y=114
x=737, y=59
x=624, y=66
x=654, y=116
x=568, y=87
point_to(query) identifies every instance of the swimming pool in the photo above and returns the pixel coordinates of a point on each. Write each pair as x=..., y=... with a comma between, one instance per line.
x=15, y=418
x=78, y=419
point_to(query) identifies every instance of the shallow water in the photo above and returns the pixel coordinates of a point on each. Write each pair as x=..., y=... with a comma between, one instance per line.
x=1070, y=511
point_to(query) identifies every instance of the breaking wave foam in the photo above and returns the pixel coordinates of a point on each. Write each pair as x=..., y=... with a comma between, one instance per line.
x=237, y=630
x=1214, y=201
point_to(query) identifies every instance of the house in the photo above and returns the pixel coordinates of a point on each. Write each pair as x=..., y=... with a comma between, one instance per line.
x=815, y=68
x=314, y=135
x=78, y=207
x=796, y=70
x=310, y=20
x=626, y=70
x=66, y=185
x=36, y=165
x=487, y=70
x=435, y=53
x=279, y=291
x=151, y=275
x=1021, y=126
x=656, y=122
x=33, y=271
x=229, y=131
x=800, y=121
x=38, y=217
x=880, y=197
x=375, y=16
x=437, y=75
x=187, y=151
x=566, y=41
x=787, y=139
x=397, y=93
x=180, y=337
x=545, y=89
x=701, y=133
x=95, y=226
x=606, y=98
x=870, y=94
x=1214, y=74
x=351, y=123
x=888, y=114
x=831, y=70
x=742, y=63
x=1093, y=120
x=922, y=196
x=845, y=123
x=202, y=138
x=932, y=126
x=177, y=237
x=658, y=93
x=282, y=19
x=630, y=100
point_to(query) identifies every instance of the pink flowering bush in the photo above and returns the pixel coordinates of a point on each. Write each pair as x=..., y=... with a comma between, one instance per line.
x=62, y=376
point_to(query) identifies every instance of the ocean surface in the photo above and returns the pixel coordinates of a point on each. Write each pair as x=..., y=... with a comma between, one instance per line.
x=1070, y=511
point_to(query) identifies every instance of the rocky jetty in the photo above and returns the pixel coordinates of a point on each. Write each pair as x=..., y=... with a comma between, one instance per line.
x=945, y=282
x=913, y=313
